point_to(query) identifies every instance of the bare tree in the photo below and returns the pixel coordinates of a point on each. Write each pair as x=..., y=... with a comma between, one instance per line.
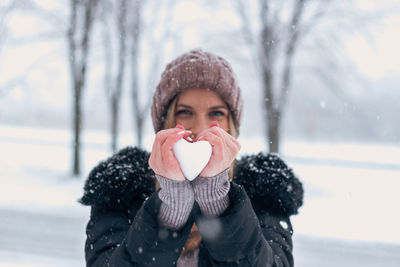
x=140, y=111
x=281, y=30
x=5, y=11
x=275, y=47
x=134, y=33
x=114, y=82
x=79, y=32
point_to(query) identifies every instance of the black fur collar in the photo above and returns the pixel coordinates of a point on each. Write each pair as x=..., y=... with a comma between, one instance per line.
x=126, y=179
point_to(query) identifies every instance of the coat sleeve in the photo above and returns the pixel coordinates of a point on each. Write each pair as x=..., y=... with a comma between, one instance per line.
x=112, y=240
x=244, y=239
x=277, y=231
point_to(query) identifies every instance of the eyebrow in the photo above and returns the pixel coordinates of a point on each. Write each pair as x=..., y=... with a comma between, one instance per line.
x=213, y=107
x=218, y=107
x=184, y=106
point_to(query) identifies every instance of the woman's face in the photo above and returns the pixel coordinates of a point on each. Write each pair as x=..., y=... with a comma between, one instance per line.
x=196, y=108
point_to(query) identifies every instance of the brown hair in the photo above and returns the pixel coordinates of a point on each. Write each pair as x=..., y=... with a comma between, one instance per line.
x=194, y=238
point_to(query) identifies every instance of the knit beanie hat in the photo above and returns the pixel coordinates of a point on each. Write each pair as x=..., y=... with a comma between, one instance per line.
x=196, y=69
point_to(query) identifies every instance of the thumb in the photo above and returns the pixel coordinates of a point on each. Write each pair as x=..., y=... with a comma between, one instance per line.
x=214, y=123
x=180, y=126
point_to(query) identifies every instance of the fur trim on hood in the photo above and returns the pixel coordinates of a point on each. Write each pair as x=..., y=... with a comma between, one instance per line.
x=126, y=179
x=269, y=183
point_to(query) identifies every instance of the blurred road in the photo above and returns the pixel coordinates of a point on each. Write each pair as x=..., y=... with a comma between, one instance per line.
x=325, y=252
x=29, y=239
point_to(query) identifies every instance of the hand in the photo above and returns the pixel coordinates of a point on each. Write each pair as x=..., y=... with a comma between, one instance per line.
x=162, y=159
x=224, y=149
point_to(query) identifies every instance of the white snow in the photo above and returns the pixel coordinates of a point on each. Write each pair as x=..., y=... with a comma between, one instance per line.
x=192, y=157
x=351, y=190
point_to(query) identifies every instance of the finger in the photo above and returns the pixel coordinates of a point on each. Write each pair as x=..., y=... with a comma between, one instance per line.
x=204, y=132
x=214, y=124
x=162, y=135
x=233, y=145
x=226, y=143
x=154, y=158
x=180, y=126
x=188, y=137
x=167, y=155
x=238, y=145
x=160, y=138
x=215, y=141
x=215, y=130
x=173, y=138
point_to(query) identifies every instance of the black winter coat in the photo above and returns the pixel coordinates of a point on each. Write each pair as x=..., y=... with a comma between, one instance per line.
x=255, y=230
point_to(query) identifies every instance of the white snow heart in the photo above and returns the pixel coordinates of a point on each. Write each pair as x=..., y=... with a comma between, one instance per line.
x=192, y=157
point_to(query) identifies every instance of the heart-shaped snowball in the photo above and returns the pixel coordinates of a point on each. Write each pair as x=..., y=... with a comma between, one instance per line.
x=192, y=157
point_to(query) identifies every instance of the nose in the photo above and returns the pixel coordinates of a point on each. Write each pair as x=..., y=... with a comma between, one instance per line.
x=201, y=123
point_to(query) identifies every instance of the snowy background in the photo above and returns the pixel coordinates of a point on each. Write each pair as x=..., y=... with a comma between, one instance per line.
x=344, y=144
x=349, y=217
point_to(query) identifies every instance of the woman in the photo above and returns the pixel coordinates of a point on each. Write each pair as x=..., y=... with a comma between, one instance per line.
x=235, y=213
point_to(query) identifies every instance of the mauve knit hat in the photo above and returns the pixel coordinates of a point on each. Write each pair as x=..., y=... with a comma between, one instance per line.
x=196, y=69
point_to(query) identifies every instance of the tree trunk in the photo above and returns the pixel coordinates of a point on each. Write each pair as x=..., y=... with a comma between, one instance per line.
x=272, y=113
x=139, y=127
x=267, y=59
x=78, y=52
x=77, y=128
x=137, y=110
x=274, y=131
x=116, y=94
x=75, y=89
x=107, y=70
x=114, y=123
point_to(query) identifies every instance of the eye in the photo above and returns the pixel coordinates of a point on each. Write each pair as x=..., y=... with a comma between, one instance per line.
x=217, y=113
x=183, y=112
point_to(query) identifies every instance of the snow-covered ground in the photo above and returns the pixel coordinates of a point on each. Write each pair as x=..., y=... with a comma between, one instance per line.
x=350, y=209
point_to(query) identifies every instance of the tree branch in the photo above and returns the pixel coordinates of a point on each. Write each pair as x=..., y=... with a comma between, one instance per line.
x=90, y=7
x=71, y=38
x=157, y=58
x=122, y=47
x=290, y=49
x=318, y=15
x=246, y=29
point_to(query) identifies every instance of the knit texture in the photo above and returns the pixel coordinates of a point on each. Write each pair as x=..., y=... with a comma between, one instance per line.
x=212, y=193
x=177, y=202
x=177, y=198
x=196, y=69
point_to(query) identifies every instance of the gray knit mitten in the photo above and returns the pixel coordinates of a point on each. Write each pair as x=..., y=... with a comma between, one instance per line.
x=211, y=193
x=177, y=202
